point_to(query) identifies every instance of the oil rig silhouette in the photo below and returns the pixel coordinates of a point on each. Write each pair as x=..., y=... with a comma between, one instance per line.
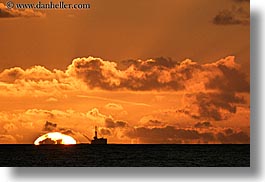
x=98, y=140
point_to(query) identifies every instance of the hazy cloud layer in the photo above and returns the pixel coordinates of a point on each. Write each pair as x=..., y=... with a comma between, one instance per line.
x=4, y=139
x=26, y=126
x=113, y=106
x=13, y=13
x=239, y=137
x=171, y=134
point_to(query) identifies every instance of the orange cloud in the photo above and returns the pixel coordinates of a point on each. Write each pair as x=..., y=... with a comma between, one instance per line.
x=37, y=81
x=13, y=13
x=210, y=90
x=139, y=75
x=155, y=75
x=182, y=101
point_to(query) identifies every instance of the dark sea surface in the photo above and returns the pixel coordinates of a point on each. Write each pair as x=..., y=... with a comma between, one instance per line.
x=125, y=155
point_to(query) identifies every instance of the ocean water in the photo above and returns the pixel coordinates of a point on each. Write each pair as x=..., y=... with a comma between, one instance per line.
x=82, y=155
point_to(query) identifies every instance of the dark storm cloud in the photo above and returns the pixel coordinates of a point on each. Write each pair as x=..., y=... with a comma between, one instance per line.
x=105, y=131
x=213, y=106
x=161, y=61
x=242, y=1
x=13, y=13
x=205, y=124
x=139, y=75
x=49, y=126
x=110, y=123
x=229, y=131
x=228, y=17
x=155, y=74
x=232, y=80
x=93, y=71
x=10, y=75
x=155, y=122
x=238, y=14
x=234, y=137
x=67, y=131
x=228, y=81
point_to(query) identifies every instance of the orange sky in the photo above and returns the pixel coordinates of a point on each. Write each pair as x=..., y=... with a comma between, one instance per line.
x=197, y=93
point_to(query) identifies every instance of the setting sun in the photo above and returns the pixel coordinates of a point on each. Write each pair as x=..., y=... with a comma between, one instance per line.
x=55, y=138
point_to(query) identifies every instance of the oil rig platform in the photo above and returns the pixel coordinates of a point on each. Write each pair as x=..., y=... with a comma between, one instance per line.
x=97, y=140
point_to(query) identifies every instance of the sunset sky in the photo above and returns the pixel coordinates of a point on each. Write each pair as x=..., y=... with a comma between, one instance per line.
x=142, y=71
